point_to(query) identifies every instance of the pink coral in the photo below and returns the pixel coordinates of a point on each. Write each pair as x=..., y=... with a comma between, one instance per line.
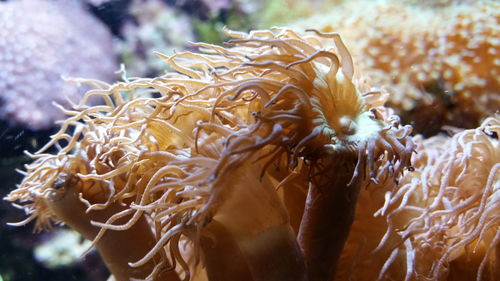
x=41, y=42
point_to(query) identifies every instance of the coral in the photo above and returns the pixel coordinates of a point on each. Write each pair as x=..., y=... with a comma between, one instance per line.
x=63, y=249
x=440, y=60
x=40, y=42
x=441, y=222
x=190, y=174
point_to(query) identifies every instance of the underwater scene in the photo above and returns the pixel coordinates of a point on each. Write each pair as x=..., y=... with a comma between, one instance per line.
x=238, y=140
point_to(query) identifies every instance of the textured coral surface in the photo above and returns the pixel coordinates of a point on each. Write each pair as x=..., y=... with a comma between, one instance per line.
x=440, y=63
x=41, y=42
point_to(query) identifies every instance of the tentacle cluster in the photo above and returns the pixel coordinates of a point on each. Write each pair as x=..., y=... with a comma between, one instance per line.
x=267, y=96
x=440, y=221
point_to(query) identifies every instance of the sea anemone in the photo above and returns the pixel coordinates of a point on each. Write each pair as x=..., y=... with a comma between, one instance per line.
x=190, y=162
x=441, y=222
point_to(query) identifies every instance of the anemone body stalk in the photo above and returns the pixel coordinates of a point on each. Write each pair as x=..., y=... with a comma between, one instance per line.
x=66, y=205
x=253, y=228
x=328, y=215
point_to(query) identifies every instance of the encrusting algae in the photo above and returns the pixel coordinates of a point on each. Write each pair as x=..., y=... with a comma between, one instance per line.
x=207, y=170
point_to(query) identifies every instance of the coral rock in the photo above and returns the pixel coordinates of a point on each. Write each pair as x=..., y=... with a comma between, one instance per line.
x=41, y=42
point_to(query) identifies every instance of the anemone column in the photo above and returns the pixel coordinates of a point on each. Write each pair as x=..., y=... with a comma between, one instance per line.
x=328, y=214
x=252, y=236
x=117, y=248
